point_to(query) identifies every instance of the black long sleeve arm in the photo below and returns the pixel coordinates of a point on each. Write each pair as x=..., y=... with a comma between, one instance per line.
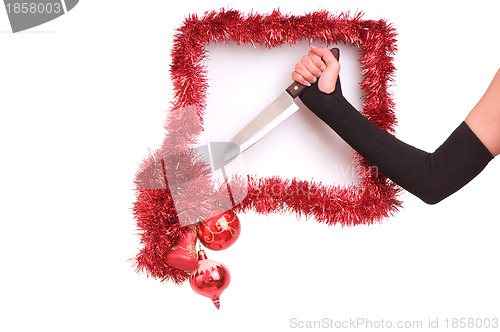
x=429, y=176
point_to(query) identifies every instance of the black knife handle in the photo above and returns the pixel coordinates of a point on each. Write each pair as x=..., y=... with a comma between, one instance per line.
x=295, y=89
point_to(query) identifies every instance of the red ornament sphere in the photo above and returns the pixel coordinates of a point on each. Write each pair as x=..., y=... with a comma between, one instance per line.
x=210, y=279
x=219, y=231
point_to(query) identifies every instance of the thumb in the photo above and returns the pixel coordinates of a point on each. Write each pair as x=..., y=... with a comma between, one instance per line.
x=328, y=78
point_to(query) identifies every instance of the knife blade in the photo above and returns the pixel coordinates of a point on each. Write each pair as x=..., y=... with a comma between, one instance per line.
x=269, y=118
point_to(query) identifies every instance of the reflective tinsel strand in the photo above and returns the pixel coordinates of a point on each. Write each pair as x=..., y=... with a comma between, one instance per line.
x=371, y=201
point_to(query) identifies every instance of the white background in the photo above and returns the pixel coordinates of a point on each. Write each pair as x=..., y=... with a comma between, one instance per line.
x=84, y=96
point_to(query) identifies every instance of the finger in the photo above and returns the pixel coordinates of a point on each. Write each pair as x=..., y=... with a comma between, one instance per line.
x=316, y=59
x=298, y=78
x=329, y=76
x=325, y=54
x=310, y=65
x=328, y=79
x=305, y=73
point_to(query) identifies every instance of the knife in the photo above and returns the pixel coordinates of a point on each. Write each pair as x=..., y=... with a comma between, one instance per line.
x=268, y=119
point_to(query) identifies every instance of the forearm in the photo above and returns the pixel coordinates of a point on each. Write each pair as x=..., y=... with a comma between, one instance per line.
x=430, y=176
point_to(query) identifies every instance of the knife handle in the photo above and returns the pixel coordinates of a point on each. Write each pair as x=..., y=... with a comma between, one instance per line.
x=295, y=89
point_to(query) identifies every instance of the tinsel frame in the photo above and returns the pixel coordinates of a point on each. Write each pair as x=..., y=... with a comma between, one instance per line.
x=374, y=199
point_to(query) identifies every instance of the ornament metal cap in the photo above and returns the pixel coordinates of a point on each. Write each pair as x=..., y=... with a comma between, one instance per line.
x=201, y=255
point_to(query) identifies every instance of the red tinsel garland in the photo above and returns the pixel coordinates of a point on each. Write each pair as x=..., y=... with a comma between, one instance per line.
x=374, y=199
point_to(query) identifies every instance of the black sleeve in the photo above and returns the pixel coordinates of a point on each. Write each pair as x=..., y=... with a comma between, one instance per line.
x=430, y=176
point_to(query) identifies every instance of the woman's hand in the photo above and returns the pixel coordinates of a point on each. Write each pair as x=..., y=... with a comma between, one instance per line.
x=320, y=64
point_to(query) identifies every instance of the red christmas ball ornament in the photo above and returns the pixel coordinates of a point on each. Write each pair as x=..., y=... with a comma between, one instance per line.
x=219, y=231
x=210, y=279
